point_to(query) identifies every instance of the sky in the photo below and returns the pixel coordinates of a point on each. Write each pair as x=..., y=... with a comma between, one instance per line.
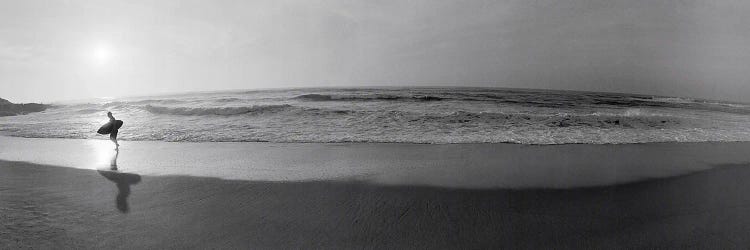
x=66, y=50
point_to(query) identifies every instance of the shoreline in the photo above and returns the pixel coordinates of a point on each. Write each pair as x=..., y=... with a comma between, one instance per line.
x=103, y=138
x=50, y=206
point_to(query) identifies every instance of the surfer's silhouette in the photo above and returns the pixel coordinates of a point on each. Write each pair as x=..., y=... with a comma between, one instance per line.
x=113, y=134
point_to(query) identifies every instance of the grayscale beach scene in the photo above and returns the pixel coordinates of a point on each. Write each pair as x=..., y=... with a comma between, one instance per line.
x=408, y=124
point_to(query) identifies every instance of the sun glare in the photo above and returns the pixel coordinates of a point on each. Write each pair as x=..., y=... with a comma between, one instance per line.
x=103, y=152
x=102, y=54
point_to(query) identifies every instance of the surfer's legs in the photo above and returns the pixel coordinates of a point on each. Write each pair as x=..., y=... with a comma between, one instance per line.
x=113, y=163
x=113, y=137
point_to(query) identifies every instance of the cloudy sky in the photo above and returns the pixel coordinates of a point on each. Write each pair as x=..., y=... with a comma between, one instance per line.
x=58, y=50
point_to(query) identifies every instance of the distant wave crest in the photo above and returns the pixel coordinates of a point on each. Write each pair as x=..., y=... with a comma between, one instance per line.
x=372, y=97
x=215, y=110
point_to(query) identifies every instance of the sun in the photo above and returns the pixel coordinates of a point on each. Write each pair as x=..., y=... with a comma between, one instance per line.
x=102, y=54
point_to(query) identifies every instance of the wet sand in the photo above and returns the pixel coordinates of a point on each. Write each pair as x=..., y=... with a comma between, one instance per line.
x=58, y=207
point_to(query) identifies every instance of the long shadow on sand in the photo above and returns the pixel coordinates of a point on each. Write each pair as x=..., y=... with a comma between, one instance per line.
x=123, y=181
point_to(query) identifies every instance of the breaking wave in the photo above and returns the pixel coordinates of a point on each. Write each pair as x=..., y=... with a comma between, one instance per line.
x=557, y=120
x=373, y=97
x=223, y=111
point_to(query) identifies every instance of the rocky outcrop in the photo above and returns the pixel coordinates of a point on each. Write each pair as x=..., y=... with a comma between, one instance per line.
x=8, y=109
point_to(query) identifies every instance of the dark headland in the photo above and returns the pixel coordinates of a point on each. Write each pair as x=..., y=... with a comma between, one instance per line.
x=8, y=108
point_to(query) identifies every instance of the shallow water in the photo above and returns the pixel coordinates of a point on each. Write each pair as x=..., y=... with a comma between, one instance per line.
x=448, y=165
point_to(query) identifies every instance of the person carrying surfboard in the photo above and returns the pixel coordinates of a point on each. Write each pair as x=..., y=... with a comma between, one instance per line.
x=113, y=134
x=110, y=128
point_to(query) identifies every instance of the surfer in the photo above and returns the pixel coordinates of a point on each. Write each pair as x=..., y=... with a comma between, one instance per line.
x=113, y=134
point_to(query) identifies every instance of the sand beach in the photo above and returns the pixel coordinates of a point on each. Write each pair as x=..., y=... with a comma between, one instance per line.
x=670, y=203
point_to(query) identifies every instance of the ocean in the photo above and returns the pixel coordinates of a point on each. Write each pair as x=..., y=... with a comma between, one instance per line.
x=396, y=115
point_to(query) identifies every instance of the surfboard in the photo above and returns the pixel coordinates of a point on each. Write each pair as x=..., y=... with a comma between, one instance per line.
x=108, y=127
